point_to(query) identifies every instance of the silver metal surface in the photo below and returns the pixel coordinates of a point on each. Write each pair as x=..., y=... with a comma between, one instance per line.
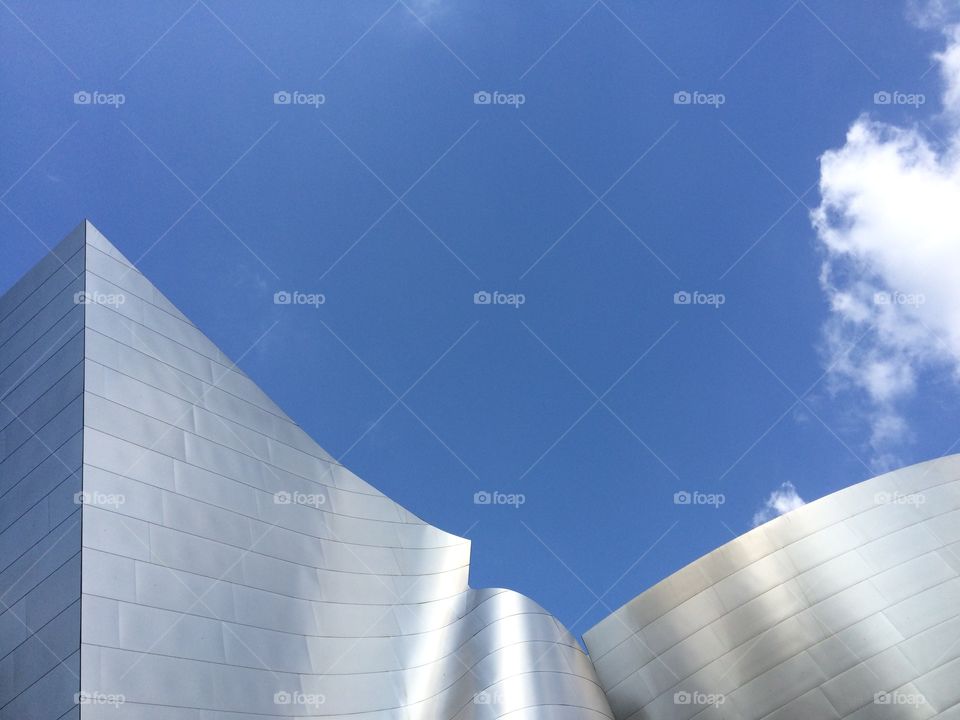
x=230, y=567
x=41, y=421
x=848, y=607
x=174, y=547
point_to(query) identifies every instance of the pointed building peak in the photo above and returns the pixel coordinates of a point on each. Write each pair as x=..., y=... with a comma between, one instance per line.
x=96, y=239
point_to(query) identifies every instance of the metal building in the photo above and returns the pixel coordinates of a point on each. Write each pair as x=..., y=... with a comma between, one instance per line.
x=174, y=547
x=848, y=607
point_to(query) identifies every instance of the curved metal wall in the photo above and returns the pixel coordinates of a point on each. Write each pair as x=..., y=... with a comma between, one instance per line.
x=233, y=570
x=227, y=568
x=848, y=607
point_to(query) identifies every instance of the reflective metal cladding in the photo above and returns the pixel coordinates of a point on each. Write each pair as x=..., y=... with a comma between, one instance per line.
x=845, y=608
x=231, y=569
x=174, y=547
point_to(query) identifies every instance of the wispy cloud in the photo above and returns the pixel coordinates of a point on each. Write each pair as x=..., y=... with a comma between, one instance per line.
x=782, y=500
x=933, y=13
x=889, y=229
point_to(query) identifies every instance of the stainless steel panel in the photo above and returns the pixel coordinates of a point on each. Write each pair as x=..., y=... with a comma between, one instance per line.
x=51, y=314
x=940, y=687
x=51, y=288
x=858, y=686
x=843, y=650
x=916, y=709
x=867, y=604
x=926, y=609
x=913, y=576
x=48, y=476
x=39, y=273
x=41, y=422
x=67, y=331
x=50, y=696
x=227, y=558
x=243, y=562
x=813, y=704
x=934, y=646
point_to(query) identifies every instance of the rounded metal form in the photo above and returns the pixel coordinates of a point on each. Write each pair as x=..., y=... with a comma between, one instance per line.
x=848, y=607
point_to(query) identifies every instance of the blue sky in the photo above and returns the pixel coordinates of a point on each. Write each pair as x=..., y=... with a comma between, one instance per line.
x=592, y=193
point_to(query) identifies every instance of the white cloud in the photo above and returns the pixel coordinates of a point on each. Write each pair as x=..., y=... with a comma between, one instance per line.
x=889, y=228
x=782, y=500
x=933, y=13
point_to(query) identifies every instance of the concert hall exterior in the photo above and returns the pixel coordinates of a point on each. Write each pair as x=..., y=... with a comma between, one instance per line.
x=174, y=547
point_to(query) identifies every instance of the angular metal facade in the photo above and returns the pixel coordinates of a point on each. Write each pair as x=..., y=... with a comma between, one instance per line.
x=231, y=569
x=174, y=547
x=848, y=607
x=41, y=422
